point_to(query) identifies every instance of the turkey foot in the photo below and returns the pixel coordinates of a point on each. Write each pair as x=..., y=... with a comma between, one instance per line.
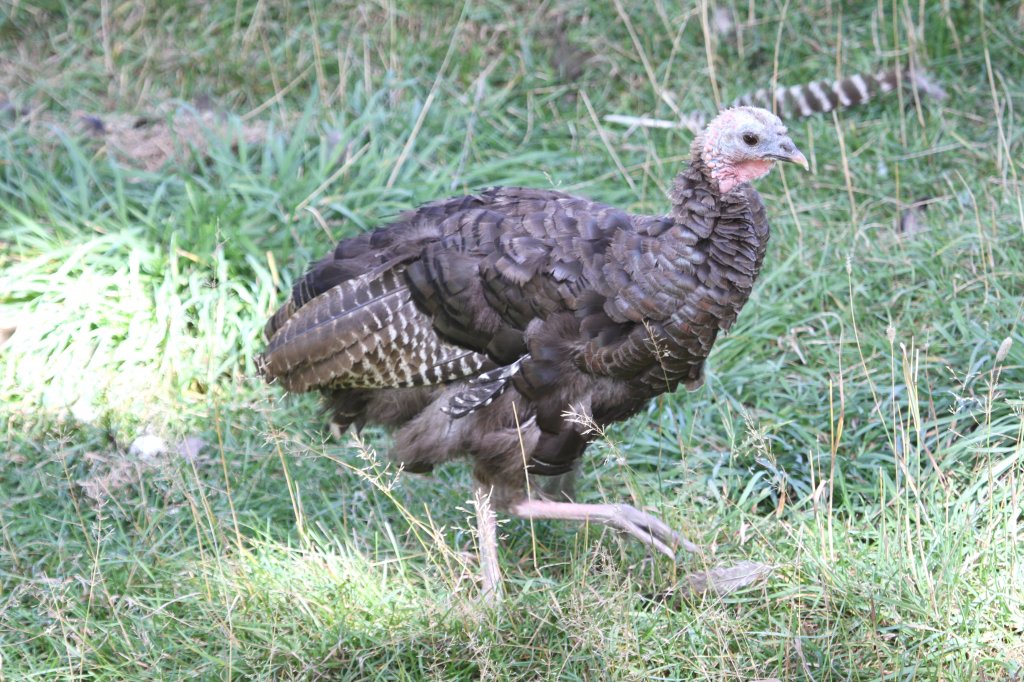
x=646, y=528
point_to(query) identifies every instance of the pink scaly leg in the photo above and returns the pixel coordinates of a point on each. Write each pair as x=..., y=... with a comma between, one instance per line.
x=648, y=529
x=487, y=537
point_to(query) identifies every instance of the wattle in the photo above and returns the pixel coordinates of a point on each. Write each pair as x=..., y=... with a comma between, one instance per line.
x=731, y=175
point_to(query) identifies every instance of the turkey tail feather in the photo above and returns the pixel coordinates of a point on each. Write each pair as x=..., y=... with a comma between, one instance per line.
x=823, y=96
x=365, y=332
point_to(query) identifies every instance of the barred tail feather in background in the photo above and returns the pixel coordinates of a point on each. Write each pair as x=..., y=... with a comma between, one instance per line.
x=800, y=101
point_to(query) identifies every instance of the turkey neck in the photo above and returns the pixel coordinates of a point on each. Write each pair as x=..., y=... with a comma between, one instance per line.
x=685, y=276
x=719, y=238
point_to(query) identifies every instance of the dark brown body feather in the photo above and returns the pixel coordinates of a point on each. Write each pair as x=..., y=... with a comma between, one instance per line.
x=473, y=325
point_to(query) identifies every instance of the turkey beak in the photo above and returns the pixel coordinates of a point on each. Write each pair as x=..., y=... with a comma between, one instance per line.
x=787, y=151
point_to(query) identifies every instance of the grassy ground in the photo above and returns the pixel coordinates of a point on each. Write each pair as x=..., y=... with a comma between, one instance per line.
x=861, y=429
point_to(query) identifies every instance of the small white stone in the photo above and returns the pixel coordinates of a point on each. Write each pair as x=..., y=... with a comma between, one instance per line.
x=148, y=446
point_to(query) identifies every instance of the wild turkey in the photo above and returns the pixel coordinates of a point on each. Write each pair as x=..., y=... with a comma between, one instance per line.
x=474, y=326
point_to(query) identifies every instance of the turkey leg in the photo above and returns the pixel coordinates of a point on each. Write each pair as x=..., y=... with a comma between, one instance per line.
x=487, y=538
x=648, y=529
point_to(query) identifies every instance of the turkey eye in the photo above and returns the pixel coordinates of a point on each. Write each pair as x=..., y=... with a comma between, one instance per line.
x=750, y=138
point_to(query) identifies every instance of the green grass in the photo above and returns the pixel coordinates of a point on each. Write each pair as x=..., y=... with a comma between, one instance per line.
x=862, y=426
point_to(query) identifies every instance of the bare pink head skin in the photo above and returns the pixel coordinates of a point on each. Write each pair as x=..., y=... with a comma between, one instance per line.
x=743, y=143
